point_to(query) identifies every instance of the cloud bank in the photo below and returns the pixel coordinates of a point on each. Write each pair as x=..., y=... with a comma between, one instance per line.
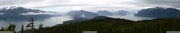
x=91, y=5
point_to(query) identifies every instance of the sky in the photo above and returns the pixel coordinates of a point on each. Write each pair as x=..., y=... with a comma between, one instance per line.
x=90, y=5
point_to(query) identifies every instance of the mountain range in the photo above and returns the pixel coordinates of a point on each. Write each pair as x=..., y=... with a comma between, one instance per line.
x=82, y=14
x=20, y=14
x=121, y=12
x=108, y=13
x=104, y=13
x=159, y=12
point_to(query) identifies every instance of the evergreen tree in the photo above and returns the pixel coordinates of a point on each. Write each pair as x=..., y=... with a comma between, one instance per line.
x=2, y=29
x=22, y=29
x=41, y=26
x=11, y=27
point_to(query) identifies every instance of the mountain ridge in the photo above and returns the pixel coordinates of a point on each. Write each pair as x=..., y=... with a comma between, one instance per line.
x=22, y=14
x=159, y=12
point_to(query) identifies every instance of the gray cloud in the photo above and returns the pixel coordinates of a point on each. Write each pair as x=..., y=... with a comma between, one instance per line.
x=30, y=2
x=172, y=3
x=14, y=2
x=109, y=7
x=64, y=5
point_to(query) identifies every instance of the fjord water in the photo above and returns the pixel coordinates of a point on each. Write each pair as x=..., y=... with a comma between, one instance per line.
x=46, y=23
x=59, y=20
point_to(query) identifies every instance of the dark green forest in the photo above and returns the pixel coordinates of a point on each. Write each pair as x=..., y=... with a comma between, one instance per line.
x=111, y=25
x=108, y=25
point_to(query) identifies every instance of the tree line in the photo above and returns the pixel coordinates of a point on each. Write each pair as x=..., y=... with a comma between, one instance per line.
x=160, y=25
x=111, y=25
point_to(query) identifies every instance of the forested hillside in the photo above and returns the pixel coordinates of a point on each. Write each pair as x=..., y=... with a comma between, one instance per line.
x=111, y=25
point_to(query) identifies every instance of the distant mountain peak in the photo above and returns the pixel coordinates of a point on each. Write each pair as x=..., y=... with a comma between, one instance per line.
x=159, y=12
x=17, y=8
x=104, y=13
x=12, y=7
x=20, y=13
x=82, y=14
x=159, y=7
x=13, y=10
x=121, y=12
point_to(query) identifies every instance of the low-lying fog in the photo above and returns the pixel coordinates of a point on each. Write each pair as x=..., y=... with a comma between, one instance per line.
x=59, y=20
x=47, y=22
x=131, y=17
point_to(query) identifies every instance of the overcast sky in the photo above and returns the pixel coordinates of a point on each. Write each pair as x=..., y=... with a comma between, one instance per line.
x=90, y=5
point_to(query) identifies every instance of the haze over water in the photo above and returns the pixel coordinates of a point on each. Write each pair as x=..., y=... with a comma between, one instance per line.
x=59, y=20
x=46, y=23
